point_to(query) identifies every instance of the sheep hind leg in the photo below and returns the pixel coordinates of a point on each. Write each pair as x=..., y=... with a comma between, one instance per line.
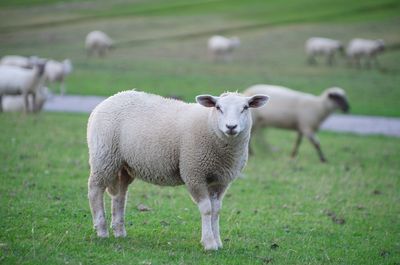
x=317, y=146
x=1, y=103
x=297, y=144
x=118, y=202
x=96, y=200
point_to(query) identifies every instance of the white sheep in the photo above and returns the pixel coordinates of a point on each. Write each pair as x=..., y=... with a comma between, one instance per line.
x=322, y=47
x=168, y=142
x=362, y=48
x=221, y=48
x=98, y=43
x=295, y=110
x=15, y=80
x=21, y=61
x=17, y=103
x=57, y=71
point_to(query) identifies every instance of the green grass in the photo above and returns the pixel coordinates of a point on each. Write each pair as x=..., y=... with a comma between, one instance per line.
x=161, y=45
x=46, y=218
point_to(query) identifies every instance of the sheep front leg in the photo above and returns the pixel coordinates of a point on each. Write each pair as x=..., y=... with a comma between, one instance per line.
x=34, y=107
x=96, y=200
x=216, y=196
x=62, y=87
x=297, y=144
x=207, y=235
x=201, y=197
x=317, y=146
x=26, y=102
x=1, y=103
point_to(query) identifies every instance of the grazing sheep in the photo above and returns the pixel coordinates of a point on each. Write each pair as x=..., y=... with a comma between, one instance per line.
x=15, y=80
x=362, y=48
x=57, y=71
x=294, y=110
x=20, y=61
x=221, y=48
x=322, y=46
x=168, y=142
x=17, y=103
x=98, y=43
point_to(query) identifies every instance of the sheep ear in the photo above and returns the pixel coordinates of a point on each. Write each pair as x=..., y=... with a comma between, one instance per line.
x=207, y=100
x=257, y=101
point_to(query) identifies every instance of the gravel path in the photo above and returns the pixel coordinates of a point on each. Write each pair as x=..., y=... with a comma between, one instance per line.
x=363, y=125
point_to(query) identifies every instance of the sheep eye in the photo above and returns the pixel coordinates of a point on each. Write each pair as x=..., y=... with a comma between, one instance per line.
x=245, y=108
x=219, y=108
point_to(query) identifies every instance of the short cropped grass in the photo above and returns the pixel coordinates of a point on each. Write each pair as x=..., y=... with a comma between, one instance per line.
x=282, y=211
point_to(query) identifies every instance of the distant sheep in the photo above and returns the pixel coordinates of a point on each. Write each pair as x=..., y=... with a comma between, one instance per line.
x=17, y=103
x=362, y=48
x=323, y=47
x=294, y=110
x=98, y=43
x=57, y=71
x=221, y=48
x=21, y=61
x=168, y=142
x=15, y=80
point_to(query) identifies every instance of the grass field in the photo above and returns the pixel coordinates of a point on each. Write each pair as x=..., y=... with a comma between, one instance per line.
x=282, y=211
x=277, y=213
x=161, y=46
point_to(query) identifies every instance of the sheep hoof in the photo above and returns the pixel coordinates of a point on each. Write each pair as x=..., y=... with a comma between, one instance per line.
x=120, y=233
x=102, y=234
x=210, y=244
x=219, y=244
x=211, y=247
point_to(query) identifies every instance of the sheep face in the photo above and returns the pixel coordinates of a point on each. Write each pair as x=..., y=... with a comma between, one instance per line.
x=380, y=45
x=231, y=111
x=338, y=97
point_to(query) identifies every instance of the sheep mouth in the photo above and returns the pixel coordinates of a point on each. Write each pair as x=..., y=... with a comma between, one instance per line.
x=345, y=107
x=230, y=133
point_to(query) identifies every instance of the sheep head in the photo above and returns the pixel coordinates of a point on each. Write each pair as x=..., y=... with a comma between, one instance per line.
x=338, y=97
x=231, y=111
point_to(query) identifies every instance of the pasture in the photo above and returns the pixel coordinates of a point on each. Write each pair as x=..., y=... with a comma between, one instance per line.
x=283, y=211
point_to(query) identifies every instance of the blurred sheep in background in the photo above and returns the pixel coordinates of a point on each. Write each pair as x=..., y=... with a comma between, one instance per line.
x=15, y=80
x=17, y=103
x=21, y=61
x=57, y=71
x=98, y=43
x=363, y=48
x=295, y=110
x=323, y=47
x=221, y=48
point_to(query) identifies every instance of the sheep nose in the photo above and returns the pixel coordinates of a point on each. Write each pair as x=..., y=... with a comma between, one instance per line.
x=231, y=127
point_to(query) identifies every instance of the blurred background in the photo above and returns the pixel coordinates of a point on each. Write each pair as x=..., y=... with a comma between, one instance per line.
x=161, y=46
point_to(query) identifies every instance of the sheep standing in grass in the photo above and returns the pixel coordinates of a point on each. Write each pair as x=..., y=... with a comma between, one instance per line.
x=221, y=48
x=361, y=48
x=17, y=103
x=324, y=47
x=15, y=80
x=57, y=71
x=98, y=43
x=294, y=110
x=168, y=142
